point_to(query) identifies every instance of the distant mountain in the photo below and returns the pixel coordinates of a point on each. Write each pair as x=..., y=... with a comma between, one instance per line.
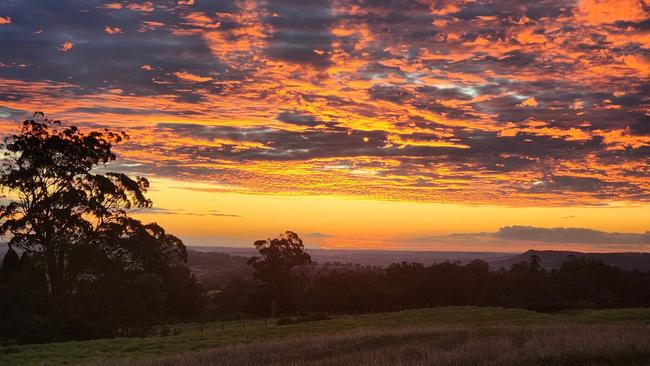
x=554, y=258
x=373, y=257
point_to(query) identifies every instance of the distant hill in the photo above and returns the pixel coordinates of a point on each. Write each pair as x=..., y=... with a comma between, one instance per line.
x=224, y=261
x=215, y=269
x=554, y=258
x=374, y=257
x=216, y=266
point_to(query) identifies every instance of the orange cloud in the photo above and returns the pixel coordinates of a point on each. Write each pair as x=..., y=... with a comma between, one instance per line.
x=429, y=103
x=605, y=11
x=146, y=6
x=528, y=36
x=201, y=20
x=113, y=6
x=66, y=46
x=112, y=30
x=191, y=77
x=528, y=102
x=638, y=63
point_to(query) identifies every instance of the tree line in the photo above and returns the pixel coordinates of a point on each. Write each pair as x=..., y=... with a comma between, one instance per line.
x=578, y=283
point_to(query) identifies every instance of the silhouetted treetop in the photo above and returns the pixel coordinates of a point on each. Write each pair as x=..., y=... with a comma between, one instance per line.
x=281, y=253
x=48, y=175
x=275, y=265
x=51, y=167
x=71, y=217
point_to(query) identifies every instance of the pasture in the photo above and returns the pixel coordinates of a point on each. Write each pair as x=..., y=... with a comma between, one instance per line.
x=445, y=336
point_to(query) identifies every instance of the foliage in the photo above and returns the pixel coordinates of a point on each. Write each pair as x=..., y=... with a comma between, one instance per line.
x=94, y=270
x=577, y=284
x=275, y=268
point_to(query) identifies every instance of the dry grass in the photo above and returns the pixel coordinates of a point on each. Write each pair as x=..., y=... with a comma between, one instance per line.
x=555, y=344
x=446, y=335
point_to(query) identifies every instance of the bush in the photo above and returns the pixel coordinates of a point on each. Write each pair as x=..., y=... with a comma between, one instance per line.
x=310, y=317
x=164, y=331
x=285, y=321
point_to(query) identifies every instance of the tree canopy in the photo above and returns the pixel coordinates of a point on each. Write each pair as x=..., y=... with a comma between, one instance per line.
x=275, y=266
x=71, y=217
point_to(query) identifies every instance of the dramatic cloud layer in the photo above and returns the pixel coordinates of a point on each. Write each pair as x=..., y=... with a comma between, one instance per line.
x=541, y=102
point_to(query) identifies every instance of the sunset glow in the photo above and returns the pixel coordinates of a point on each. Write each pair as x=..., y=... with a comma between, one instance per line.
x=366, y=124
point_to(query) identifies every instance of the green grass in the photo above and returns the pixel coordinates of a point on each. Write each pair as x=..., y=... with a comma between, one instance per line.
x=191, y=339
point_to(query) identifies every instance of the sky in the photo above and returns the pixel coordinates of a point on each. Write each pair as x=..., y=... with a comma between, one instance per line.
x=395, y=124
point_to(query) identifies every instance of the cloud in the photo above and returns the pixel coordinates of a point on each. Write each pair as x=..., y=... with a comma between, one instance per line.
x=526, y=237
x=319, y=235
x=538, y=103
x=602, y=11
x=13, y=114
x=298, y=118
x=569, y=183
x=146, y=6
x=166, y=211
x=65, y=46
x=113, y=6
x=391, y=93
x=112, y=30
x=528, y=102
x=191, y=77
x=299, y=32
x=571, y=235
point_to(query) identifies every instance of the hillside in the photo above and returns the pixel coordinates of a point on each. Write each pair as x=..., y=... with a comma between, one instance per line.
x=554, y=258
x=215, y=269
x=215, y=266
x=441, y=336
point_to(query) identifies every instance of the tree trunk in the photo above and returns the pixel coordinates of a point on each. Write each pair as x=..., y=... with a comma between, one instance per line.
x=55, y=261
x=274, y=305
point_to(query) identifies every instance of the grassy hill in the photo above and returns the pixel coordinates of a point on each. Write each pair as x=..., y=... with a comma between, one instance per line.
x=453, y=335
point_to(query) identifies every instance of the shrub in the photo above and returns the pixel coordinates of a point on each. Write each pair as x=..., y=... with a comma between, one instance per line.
x=164, y=331
x=285, y=321
x=310, y=317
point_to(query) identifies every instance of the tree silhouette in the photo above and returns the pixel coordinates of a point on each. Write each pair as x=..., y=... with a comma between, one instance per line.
x=10, y=264
x=69, y=217
x=275, y=266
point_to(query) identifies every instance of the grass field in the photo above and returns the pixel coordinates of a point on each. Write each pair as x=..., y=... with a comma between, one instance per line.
x=439, y=336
